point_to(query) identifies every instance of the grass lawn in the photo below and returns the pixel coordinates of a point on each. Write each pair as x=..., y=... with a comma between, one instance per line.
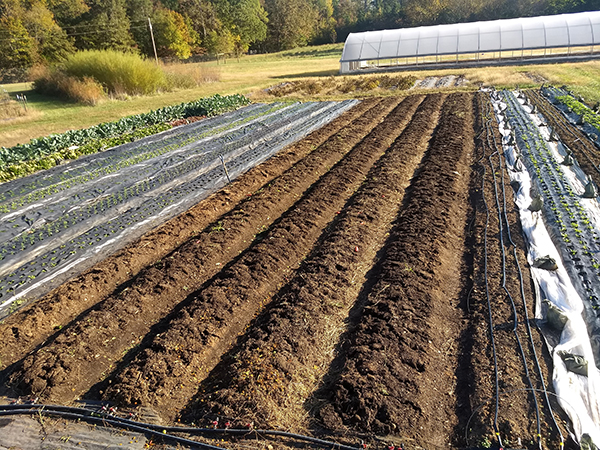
x=253, y=73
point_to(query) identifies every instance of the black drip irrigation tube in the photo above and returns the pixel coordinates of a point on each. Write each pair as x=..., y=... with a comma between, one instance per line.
x=502, y=211
x=526, y=314
x=489, y=304
x=503, y=217
x=510, y=392
x=164, y=432
x=504, y=225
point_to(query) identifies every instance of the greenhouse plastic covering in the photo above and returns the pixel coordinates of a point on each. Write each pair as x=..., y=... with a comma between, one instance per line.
x=525, y=33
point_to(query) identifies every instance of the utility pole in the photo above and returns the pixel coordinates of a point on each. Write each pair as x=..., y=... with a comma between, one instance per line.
x=153, y=43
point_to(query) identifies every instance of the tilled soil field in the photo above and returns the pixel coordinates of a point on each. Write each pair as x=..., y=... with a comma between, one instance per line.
x=358, y=286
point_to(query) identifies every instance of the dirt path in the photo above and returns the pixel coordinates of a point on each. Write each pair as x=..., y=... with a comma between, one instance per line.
x=268, y=378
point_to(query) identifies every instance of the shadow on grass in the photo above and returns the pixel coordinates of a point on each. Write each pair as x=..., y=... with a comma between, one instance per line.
x=40, y=101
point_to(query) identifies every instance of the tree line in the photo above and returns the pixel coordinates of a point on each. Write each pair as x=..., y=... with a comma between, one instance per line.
x=45, y=31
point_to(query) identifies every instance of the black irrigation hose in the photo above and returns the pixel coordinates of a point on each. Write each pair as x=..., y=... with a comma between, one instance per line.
x=489, y=303
x=116, y=423
x=504, y=287
x=512, y=391
x=526, y=314
x=158, y=430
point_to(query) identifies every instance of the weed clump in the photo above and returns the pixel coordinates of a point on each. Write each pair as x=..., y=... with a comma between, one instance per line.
x=91, y=75
x=52, y=81
x=119, y=73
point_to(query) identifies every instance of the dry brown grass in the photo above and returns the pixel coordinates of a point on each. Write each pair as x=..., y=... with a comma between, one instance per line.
x=13, y=111
x=86, y=91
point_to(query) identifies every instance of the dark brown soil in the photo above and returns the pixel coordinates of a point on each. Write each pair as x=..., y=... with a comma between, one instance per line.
x=167, y=372
x=118, y=324
x=340, y=289
x=399, y=374
x=514, y=370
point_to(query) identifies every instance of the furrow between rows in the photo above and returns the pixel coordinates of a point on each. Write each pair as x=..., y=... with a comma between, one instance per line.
x=165, y=375
x=271, y=375
x=127, y=314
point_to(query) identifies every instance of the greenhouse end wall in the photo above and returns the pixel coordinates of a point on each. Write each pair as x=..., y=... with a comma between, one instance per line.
x=565, y=36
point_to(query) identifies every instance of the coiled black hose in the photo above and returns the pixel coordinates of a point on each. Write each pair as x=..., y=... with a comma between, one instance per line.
x=164, y=432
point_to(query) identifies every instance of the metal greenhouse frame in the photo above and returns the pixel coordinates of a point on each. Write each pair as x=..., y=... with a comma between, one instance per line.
x=559, y=37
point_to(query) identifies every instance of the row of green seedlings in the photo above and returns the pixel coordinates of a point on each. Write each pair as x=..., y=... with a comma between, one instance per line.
x=575, y=105
x=39, y=182
x=43, y=146
x=51, y=260
x=585, y=113
x=541, y=157
x=30, y=239
x=22, y=169
x=69, y=179
x=553, y=167
x=168, y=175
x=29, y=272
x=67, y=220
x=152, y=150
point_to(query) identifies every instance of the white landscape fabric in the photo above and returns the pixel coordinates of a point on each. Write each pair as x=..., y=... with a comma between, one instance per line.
x=577, y=394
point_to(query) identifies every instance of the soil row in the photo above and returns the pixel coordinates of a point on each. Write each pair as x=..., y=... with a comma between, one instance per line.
x=271, y=375
x=39, y=321
x=502, y=289
x=399, y=366
x=166, y=374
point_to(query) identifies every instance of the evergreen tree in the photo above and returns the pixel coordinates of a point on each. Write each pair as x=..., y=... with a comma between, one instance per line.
x=202, y=17
x=67, y=12
x=249, y=23
x=138, y=12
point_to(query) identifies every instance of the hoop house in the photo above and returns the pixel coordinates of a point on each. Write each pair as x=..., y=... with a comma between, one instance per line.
x=565, y=36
